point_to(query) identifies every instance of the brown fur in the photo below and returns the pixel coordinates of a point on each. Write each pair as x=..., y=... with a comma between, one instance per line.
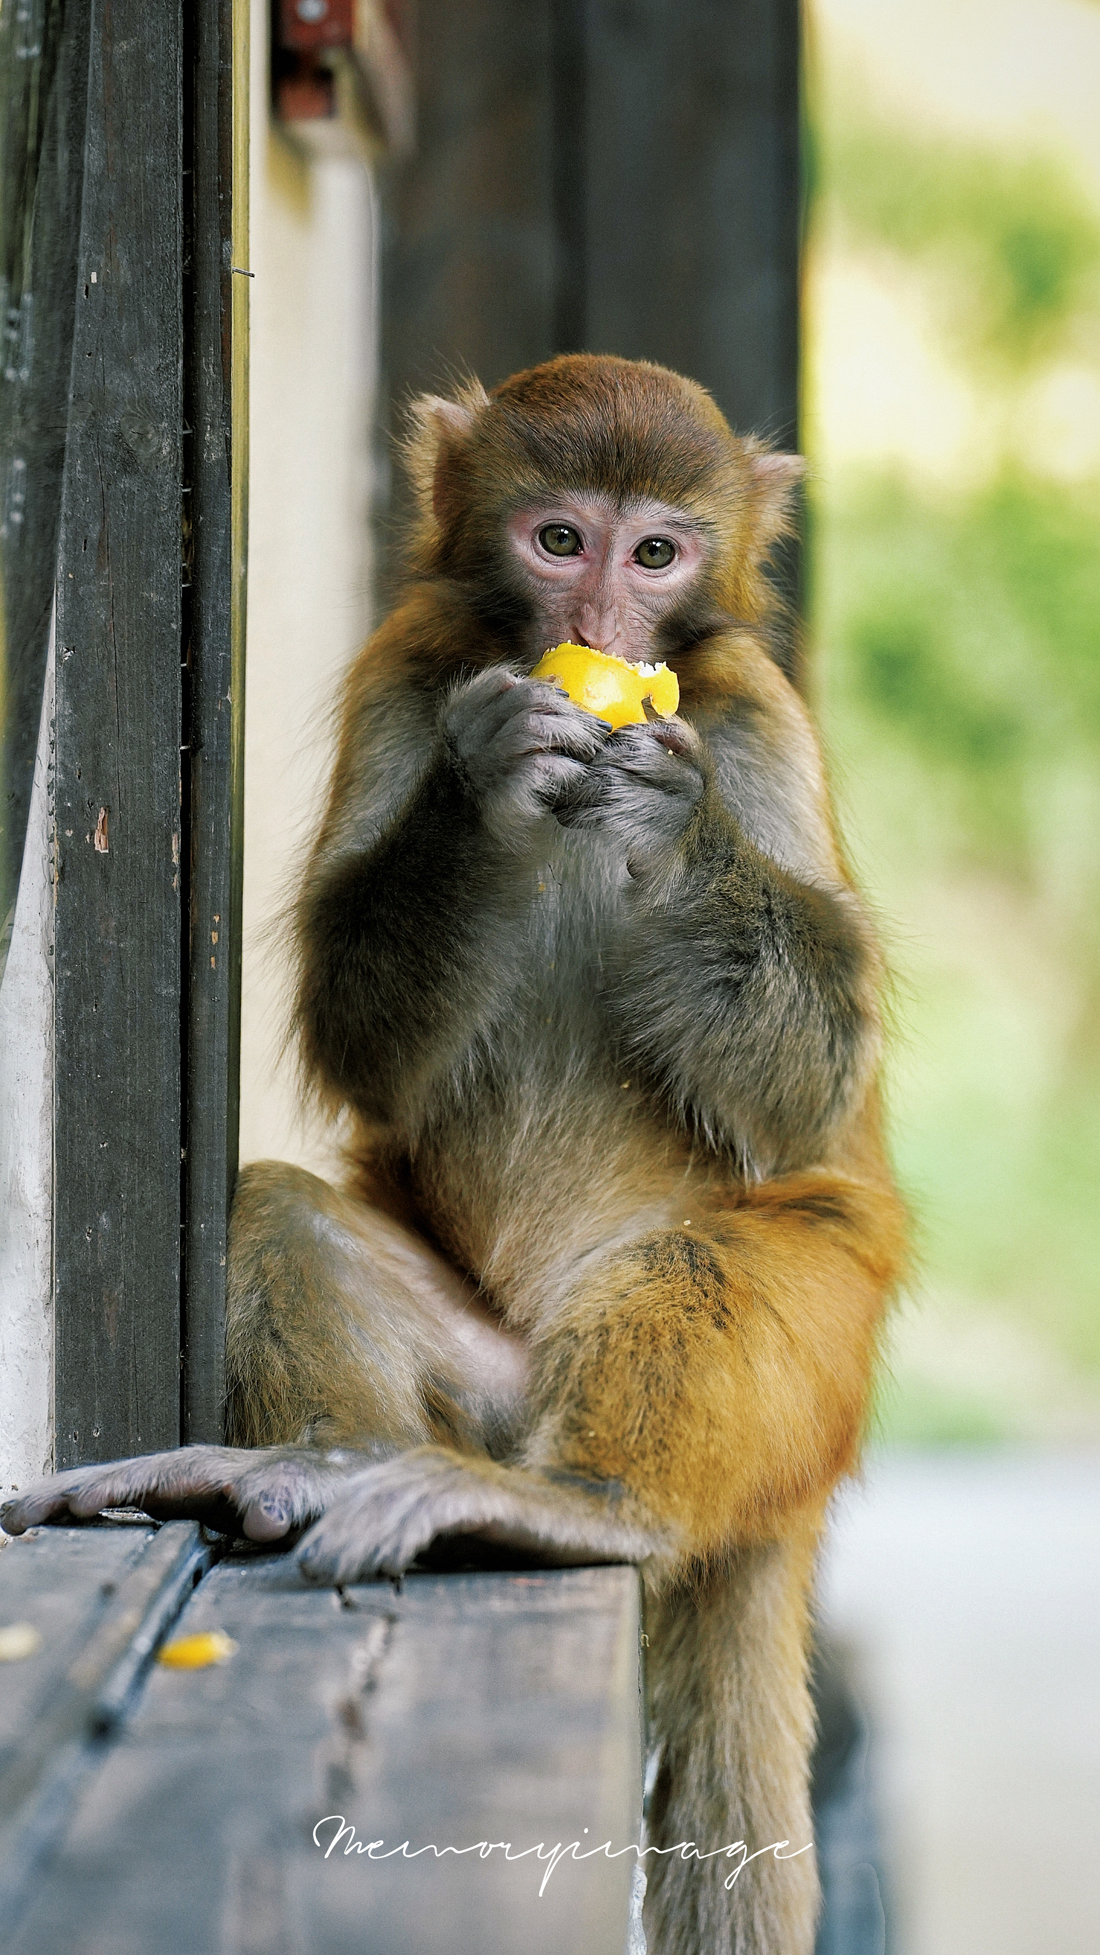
x=607, y=1274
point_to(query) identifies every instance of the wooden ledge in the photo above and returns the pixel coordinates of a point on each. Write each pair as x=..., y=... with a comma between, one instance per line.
x=197, y=1812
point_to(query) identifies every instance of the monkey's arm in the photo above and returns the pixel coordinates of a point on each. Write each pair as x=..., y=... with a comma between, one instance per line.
x=407, y=918
x=742, y=975
x=263, y=1493
x=748, y=995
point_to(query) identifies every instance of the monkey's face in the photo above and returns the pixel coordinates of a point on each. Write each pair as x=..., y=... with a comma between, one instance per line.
x=601, y=500
x=598, y=573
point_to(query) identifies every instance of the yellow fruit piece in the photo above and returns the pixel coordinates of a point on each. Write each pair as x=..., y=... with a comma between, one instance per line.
x=197, y=1652
x=612, y=688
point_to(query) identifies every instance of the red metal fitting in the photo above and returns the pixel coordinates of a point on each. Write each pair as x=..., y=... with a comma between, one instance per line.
x=304, y=26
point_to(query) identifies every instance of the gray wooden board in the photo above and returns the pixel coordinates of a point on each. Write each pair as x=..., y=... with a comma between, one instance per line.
x=61, y=1580
x=100, y=1599
x=465, y=1708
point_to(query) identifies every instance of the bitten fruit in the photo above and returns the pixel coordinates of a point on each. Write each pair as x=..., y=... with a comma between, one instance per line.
x=612, y=688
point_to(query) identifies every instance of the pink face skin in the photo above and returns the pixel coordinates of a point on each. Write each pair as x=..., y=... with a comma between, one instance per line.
x=599, y=593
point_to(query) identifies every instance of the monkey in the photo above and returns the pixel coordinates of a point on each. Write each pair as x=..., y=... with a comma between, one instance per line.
x=606, y=1273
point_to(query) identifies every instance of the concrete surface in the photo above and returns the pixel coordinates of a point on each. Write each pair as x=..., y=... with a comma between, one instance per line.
x=966, y=1586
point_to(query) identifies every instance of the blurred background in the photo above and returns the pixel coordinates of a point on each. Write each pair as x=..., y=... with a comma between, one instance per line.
x=951, y=411
x=950, y=408
x=952, y=416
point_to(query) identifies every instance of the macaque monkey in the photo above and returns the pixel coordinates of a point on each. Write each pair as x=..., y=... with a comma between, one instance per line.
x=605, y=1277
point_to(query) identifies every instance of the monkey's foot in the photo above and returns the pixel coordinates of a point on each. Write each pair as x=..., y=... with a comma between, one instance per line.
x=389, y=1513
x=265, y=1493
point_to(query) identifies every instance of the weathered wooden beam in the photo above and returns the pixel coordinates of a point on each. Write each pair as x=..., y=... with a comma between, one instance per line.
x=455, y=1710
x=98, y=1600
x=216, y=288
x=118, y=806
x=693, y=197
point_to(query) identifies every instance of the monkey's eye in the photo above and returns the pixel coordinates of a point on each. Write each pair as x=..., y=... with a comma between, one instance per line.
x=560, y=540
x=655, y=553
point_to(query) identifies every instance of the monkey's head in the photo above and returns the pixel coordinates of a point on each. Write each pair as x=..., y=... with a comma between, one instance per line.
x=598, y=500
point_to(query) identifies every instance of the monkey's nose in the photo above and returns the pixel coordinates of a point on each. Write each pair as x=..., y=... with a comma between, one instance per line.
x=599, y=633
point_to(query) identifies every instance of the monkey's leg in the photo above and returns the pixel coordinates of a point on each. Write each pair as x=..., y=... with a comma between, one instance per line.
x=718, y=1373
x=344, y=1327
x=697, y=1391
x=345, y=1331
x=731, y=1714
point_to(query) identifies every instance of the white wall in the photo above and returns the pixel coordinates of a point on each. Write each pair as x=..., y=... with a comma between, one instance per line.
x=313, y=347
x=26, y=1142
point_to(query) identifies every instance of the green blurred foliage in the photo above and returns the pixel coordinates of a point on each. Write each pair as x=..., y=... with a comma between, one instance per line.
x=967, y=631
x=961, y=704
x=1012, y=241
x=959, y=688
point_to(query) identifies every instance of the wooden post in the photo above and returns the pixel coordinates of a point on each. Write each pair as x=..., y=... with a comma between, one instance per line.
x=150, y=698
x=118, y=806
x=215, y=458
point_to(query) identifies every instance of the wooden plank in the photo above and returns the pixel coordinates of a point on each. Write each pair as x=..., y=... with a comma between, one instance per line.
x=464, y=1708
x=693, y=209
x=118, y=940
x=693, y=197
x=216, y=414
x=99, y=1598
x=469, y=275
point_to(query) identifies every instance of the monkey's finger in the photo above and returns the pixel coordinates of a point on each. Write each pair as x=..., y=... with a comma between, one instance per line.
x=673, y=766
x=540, y=731
x=676, y=736
x=475, y=707
x=492, y=682
x=221, y=1485
x=282, y=1493
x=582, y=799
x=528, y=709
x=555, y=778
x=87, y=1490
x=46, y=1501
x=556, y=707
x=673, y=734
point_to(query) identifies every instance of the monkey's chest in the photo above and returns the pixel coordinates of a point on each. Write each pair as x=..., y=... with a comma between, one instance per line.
x=544, y=1140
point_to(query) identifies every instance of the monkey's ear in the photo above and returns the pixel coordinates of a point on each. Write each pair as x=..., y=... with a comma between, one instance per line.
x=438, y=429
x=775, y=479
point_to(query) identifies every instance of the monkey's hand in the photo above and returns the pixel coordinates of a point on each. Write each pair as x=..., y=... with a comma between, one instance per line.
x=520, y=745
x=643, y=786
x=264, y=1493
x=390, y=1513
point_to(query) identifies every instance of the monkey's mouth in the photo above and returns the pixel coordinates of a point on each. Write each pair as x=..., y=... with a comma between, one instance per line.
x=618, y=690
x=637, y=665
